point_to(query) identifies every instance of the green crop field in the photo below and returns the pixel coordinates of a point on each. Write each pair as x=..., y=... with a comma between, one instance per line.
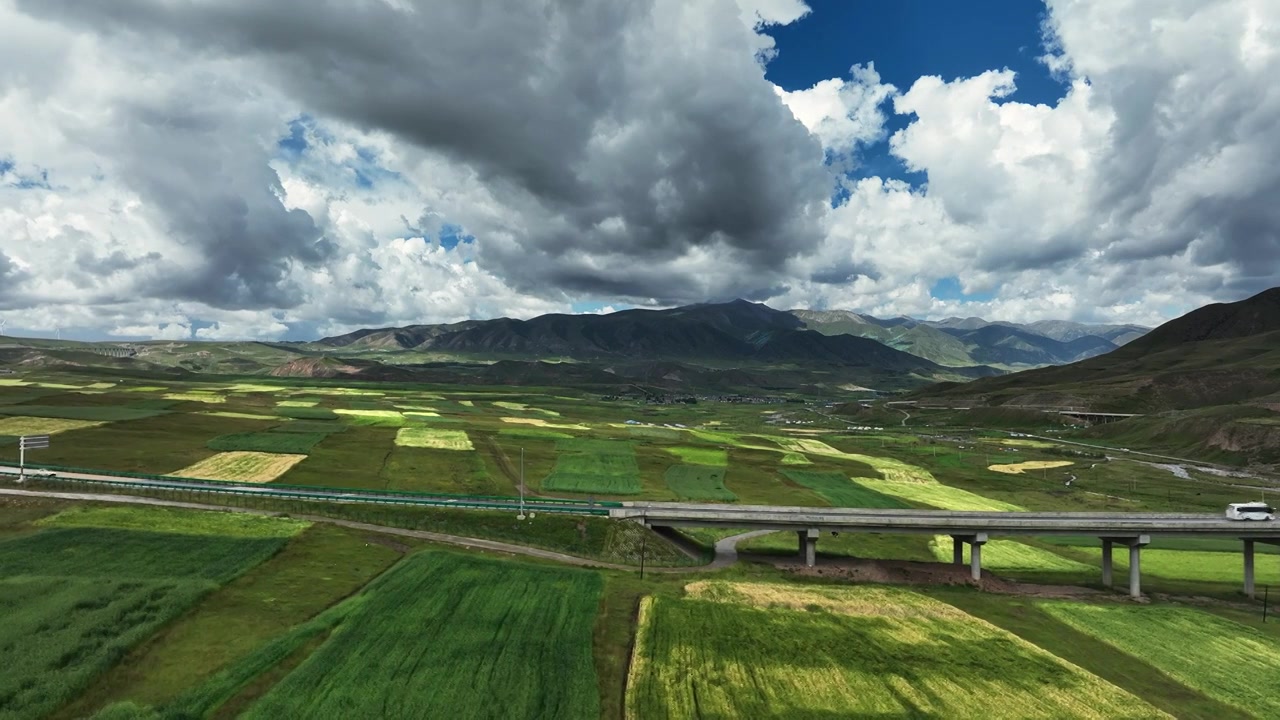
x=698, y=482
x=177, y=521
x=715, y=457
x=604, y=467
x=1230, y=662
x=841, y=491
x=776, y=651
x=77, y=598
x=317, y=569
x=97, y=413
x=295, y=443
x=447, y=635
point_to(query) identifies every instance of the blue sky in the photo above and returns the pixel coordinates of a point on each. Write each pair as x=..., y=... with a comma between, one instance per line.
x=908, y=40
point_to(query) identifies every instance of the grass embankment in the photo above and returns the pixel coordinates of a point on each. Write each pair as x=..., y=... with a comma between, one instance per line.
x=763, y=650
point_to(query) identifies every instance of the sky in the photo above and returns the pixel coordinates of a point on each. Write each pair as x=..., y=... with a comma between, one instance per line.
x=234, y=169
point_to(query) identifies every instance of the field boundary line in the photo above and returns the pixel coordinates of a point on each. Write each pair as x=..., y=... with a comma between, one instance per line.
x=726, y=552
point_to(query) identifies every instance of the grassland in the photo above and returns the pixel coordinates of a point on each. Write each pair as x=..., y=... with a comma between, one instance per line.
x=429, y=437
x=257, y=467
x=698, y=482
x=841, y=491
x=762, y=650
x=604, y=467
x=1010, y=555
x=1230, y=662
x=450, y=635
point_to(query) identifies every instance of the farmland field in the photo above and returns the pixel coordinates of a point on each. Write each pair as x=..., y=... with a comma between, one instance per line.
x=95, y=413
x=841, y=491
x=700, y=456
x=447, y=635
x=606, y=467
x=1019, y=468
x=259, y=467
x=298, y=443
x=42, y=426
x=429, y=437
x=1010, y=555
x=762, y=650
x=698, y=482
x=77, y=598
x=935, y=494
x=1230, y=662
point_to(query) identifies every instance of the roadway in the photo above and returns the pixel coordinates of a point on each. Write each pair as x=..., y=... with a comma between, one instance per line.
x=942, y=522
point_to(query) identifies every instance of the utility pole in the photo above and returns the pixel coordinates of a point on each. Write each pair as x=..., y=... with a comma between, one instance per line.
x=521, y=515
x=644, y=542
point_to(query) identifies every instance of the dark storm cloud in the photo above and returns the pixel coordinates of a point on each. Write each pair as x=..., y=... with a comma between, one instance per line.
x=220, y=196
x=629, y=131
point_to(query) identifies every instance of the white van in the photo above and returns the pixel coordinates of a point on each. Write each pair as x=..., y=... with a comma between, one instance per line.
x=1250, y=511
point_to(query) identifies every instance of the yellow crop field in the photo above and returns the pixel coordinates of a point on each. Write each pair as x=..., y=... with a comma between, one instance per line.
x=418, y=408
x=435, y=438
x=99, y=386
x=12, y=382
x=943, y=497
x=244, y=416
x=392, y=414
x=421, y=414
x=521, y=407
x=241, y=466
x=254, y=388
x=297, y=403
x=761, y=650
x=539, y=422
x=1038, y=444
x=468, y=403
x=1019, y=468
x=196, y=397
x=891, y=469
x=22, y=425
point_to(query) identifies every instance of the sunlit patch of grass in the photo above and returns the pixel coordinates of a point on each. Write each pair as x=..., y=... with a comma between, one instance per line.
x=195, y=396
x=22, y=425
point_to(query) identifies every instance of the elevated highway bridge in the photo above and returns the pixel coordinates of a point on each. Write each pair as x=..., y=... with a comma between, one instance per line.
x=1132, y=530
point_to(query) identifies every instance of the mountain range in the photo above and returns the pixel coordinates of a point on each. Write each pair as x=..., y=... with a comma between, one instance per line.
x=742, y=331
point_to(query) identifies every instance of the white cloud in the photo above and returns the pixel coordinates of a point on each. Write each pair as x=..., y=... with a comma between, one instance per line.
x=842, y=113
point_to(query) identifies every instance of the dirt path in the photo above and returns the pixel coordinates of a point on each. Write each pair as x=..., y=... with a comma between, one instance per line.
x=726, y=549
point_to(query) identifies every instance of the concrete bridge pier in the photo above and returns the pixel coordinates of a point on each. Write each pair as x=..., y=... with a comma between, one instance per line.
x=809, y=546
x=1249, y=587
x=975, y=552
x=1135, y=545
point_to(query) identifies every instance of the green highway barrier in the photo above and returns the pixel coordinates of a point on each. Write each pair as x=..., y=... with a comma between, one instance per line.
x=456, y=500
x=473, y=504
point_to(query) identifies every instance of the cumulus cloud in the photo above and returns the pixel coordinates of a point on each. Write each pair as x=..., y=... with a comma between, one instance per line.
x=247, y=168
x=843, y=113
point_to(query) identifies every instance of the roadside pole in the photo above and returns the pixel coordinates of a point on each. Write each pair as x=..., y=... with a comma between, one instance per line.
x=521, y=516
x=25, y=443
x=644, y=542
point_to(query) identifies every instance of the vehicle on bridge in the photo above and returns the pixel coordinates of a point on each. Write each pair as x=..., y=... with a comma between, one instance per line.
x=1250, y=511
